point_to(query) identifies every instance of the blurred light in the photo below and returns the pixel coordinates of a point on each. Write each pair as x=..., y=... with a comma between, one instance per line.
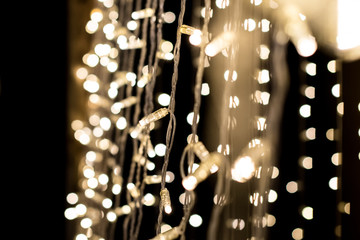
x=331, y=66
x=292, y=187
x=330, y=134
x=189, y=183
x=121, y=123
x=243, y=169
x=103, y=179
x=310, y=92
x=333, y=183
x=310, y=133
x=86, y=223
x=195, y=38
x=81, y=237
x=264, y=52
x=271, y=220
x=169, y=17
x=348, y=19
x=265, y=25
x=190, y=118
x=116, y=189
x=307, y=213
x=233, y=75
x=336, y=159
x=195, y=220
x=297, y=233
x=272, y=196
x=96, y=15
x=234, y=102
x=111, y=216
x=165, y=228
x=202, y=12
x=132, y=25
x=256, y=2
x=347, y=208
x=275, y=172
x=205, y=89
x=80, y=209
x=160, y=149
x=306, y=46
x=305, y=111
x=263, y=76
x=310, y=68
x=164, y=99
x=335, y=90
x=72, y=198
x=306, y=162
x=105, y=123
x=222, y=3
x=249, y=24
x=70, y=213
x=91, y=26
x=81, y=73
x=340, y=108
x=149, y=199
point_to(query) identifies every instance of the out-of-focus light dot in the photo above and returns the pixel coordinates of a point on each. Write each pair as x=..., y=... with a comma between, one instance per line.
x=202, y=12
x=98, y=131
x=234, y=102
x=331, y=66
x=103, y=179
x=222, y=3
x=275, y=172
x=76, y=125
x=195, y=220
x=347, y=208
x=81, y=237
x=335, y=90
x=105, y=123
x=150, y=165
x=271, y=220
x=292, y=187
x=92, y=60
x=92, y=182
x=112, y=66
x=310, y=92
x=96, y=15
x=359, y=107
x=166, y=46
x=91, y=86
x=263, y=76
x=189, y=183
x=340, y=108
x=336, y=159
x=305, y=111
x=264, y=52
x=310, y=68
x=165, y=228
x=205, y=89
x=70, y=213
x=170, y=176
x=297, y=234
x=272, y=196
x=233, y=77
x=108, y=3
x=164, y=99
x=94, y=120
x=256, y=2
x=307, y=213
x=107, y=203
x=249, y=24
x=116, y=189
x=88, y=172
x=333, y=183
x=89, y=193
x=111, y=216
x=195, y=38
x=306, y=162
x=310, y=133
x=169, y=17
x=84, y=139
x=306, y=46
x=121, y=123
x=80, y=209
x=265, y=25
x=81, y=73
x=112, y=92
x=190, y=118
x=330, y=134
x=160, y=149
x=91, y=26
x=132, y=25
x=109, y=28
x=86, y=223
x=243, y=169
x=72, y=198
x=149, y=199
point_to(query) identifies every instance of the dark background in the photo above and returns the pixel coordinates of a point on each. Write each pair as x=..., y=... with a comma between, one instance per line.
x=34, y=103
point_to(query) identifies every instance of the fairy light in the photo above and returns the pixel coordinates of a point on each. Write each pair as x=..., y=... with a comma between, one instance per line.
x=219, y=43
x=143, y=13
x=173, y=233
x=165, y=200
x=202, y=172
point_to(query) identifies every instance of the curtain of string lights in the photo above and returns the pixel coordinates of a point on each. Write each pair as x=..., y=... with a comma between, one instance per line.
x=133, y=75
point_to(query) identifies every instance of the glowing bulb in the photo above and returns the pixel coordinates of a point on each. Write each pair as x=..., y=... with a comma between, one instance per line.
x=72, y=198
x=297, y=233
x=263, y=76
x=307, y=213
x=306, y=46
x=310, y=92
x=165, y=200
x=86, y=223
x=121, y=123
x=264, y=52
x=169, y=17
x=272, y=196
x=190, y=118
x=331, y=66
x=195, y=38
x=224, y=40
x=335, y=90
x=249, y=24
x=205, y=89
x=143, y=13
x=160, y=149
x=172, y=233
x=96, y=15
x=292, y=187
x=243, y=169
x=189, y=183
x=222, y=3
x=333, y=183
x=164, y=99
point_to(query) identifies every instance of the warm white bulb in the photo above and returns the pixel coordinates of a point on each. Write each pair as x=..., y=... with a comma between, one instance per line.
x=243, y=169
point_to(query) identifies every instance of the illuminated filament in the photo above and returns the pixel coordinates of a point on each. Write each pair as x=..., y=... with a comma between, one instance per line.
x=165, y=200
x=168, y=235
x=202, y=172
x=224, y=40
x=143, y=13
x=127, y=102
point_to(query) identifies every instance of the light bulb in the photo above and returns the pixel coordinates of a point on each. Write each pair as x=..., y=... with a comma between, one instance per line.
x=165, y=200
x=152, y=117
x=224, y=40
x=203, y=171
x=188, y=30
x=152, y=179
